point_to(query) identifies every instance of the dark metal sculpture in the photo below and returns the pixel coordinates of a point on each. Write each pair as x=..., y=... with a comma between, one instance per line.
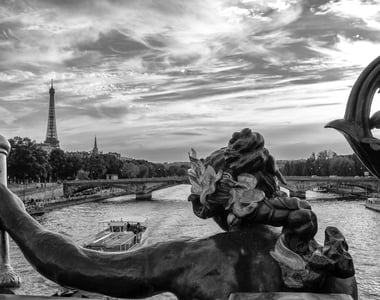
x=357, y=123
x=209, y=268
x=8, y=278
x=238, y=187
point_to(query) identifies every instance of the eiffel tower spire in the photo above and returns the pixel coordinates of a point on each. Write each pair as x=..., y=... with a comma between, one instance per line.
x=51, y=132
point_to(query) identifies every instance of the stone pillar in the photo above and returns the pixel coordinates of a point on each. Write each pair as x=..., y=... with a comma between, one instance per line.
x=8, y=278
x=144, y=196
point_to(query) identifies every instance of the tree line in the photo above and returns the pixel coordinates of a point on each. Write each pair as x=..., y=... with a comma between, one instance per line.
x=325, y=163
x=28, y=162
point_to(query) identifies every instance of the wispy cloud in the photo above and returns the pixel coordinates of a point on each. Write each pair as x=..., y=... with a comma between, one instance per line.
x=153, y=78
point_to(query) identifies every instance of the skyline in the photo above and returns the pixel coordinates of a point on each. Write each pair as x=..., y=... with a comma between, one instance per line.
x=153, y=79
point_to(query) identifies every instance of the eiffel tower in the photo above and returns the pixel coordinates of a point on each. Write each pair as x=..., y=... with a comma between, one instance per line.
x=51, y=140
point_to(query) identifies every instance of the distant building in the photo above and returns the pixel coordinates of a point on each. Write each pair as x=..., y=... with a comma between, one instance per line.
x=124, y=158
x=81, y=154
x=51, y=142
x=115, y=154
x=112, y=176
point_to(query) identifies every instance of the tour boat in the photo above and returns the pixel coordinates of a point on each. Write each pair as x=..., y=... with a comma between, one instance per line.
x=119, y=235
x=373, y=203
x=320, y=193
x=34, y=210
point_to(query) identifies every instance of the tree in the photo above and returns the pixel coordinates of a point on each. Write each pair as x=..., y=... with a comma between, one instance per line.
x=82, y=175
x=182, y=172
x=312, y=157
x=96, y=167
x=27, y=161
x=113, y=164
x=173, y=169
x=143, y=171
x=159, y=170
x=358, y=166
x=73, y=165
x=286, y=169
x=57, y=161
x=129, y=170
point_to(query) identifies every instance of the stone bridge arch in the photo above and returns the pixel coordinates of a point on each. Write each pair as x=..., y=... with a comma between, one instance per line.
x=298, y=185
x=141, y=187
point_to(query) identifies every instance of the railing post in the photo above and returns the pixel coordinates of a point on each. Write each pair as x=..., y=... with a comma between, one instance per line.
x=8, y=278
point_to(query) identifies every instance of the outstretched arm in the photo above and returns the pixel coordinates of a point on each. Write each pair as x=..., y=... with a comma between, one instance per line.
x=55, y=256
x=191, y=269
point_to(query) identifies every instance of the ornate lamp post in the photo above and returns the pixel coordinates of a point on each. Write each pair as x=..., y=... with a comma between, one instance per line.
x=8, y=278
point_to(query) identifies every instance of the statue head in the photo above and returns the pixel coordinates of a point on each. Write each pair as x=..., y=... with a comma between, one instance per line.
x=231, y=181
x=245, y=153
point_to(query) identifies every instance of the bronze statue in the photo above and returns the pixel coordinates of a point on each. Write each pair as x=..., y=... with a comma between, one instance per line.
x=238, y=187
x=209, y=268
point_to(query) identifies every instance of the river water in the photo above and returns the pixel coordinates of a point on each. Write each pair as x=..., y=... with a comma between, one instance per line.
x=170, y=217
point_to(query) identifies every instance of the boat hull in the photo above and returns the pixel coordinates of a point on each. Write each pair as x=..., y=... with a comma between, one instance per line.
x=373, y=205
x=314, y=195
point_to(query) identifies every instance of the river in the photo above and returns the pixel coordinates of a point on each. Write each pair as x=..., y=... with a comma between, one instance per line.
x=170, y=216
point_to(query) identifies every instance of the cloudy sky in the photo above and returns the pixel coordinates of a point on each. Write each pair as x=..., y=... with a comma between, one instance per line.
x=153, y=78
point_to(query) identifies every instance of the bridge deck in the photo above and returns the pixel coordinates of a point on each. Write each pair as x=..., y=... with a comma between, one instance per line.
x=129, y=180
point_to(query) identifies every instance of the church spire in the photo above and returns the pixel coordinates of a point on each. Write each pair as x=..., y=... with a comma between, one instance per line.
x=95, y=150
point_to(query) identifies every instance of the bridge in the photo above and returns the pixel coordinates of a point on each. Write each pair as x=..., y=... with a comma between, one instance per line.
x=297, y=185
x=339, y=184
x=141, y=187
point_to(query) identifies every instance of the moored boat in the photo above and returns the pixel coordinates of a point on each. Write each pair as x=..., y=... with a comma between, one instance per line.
x=119, y=235
x=320, y=193
x=34, y=210
x=373, y=203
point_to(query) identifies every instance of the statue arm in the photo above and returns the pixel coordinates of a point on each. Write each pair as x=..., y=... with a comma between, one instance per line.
x=201, y=268
x=125, y=275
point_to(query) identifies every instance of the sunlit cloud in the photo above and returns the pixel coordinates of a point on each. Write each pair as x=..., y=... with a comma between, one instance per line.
x=152, y=78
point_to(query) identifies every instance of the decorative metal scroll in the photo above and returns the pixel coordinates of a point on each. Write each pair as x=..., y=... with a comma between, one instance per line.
x=357, y=124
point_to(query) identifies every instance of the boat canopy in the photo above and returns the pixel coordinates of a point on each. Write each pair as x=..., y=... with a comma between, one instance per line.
x=124, y=224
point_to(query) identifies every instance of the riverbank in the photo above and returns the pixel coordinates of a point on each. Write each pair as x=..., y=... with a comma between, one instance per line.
x=41, y=199
x=33, y=189
x=36, y=210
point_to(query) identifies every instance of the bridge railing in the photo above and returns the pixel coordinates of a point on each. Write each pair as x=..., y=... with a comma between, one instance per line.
x=333, y=179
